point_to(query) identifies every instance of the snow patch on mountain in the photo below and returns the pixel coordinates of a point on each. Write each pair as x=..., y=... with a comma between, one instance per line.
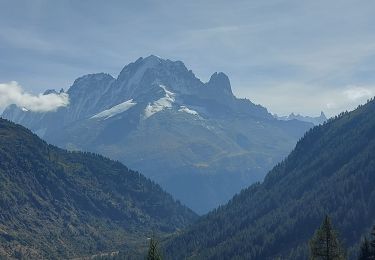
x=160, y=104
x=120, y=108
x=187, y=110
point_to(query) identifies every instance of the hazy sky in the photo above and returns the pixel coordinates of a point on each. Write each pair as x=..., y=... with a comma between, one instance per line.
x=290, y=56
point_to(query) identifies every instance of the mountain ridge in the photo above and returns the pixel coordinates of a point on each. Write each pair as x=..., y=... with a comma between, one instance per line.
x=315, y=120
x=194, y=138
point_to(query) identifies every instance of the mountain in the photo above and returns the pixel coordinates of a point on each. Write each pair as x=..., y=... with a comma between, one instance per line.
x=314, y=120
x=56, y=204
x=330, y=171
x=200, y=142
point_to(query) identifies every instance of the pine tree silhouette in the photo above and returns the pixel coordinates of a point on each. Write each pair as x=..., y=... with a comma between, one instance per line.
x=325, y=244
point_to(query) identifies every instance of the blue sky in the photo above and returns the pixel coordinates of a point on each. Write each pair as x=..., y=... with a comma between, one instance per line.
x=290, y=55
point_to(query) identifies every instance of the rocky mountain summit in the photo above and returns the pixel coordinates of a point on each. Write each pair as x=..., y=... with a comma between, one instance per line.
x=196, y=139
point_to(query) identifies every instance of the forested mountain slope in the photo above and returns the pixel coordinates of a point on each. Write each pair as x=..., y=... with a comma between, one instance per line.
x=59, y=204
x=330, y=171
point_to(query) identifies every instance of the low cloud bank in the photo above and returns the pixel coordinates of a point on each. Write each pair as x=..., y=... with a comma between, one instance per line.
x=357, y=93
x=13, y=93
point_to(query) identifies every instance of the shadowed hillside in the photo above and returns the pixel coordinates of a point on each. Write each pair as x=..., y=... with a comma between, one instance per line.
x=59, y=204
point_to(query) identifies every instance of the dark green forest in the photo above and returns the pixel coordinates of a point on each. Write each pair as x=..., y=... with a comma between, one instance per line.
x=59, y=204
x=330, y=171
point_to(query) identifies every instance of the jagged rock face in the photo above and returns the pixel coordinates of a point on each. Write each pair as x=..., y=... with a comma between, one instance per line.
x=196, y=139
x=85, y=95
x=219, y=82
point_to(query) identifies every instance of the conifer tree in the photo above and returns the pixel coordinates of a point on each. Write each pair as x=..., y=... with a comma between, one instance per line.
x=325, y=244
x=372, y=243
x=365, y=252
x=153, y=250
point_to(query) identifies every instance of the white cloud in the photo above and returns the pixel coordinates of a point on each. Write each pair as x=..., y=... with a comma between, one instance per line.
x=357, y=93
x=12, y=93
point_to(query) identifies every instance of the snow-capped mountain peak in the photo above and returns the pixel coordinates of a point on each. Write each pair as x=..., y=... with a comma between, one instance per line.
x=160, y=119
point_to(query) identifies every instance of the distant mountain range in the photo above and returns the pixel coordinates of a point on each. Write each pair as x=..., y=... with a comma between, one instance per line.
x=314, y=120
x=330, y=171
x=199, y=141
x=56, y=204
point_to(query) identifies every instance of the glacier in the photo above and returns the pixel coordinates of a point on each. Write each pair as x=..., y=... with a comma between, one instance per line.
x=120, y=108
x=160, y=104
